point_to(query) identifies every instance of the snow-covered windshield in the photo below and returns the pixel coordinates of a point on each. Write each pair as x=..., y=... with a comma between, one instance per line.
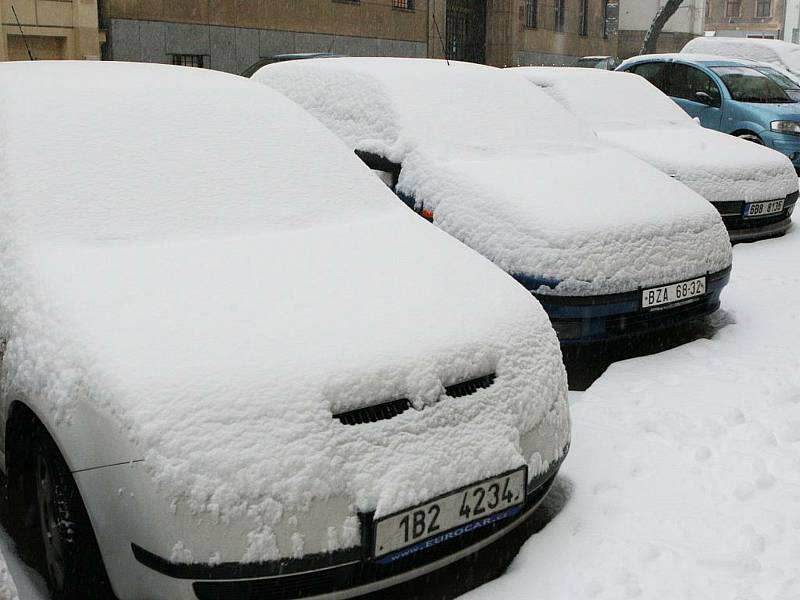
x=609, y=100
x=173, y=154
x=747, y=84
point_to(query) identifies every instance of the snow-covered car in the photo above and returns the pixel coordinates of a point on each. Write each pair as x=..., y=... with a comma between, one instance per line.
x=783, y=56
x=753, y=187
x=607, y=243
x=233, y=364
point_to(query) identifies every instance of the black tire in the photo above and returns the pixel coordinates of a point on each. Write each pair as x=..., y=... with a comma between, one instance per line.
x=70, y=558
x=751, y=137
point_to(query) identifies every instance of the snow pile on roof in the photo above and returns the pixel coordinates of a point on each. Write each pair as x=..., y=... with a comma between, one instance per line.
x=627, y=111
x=684, y=477
x=778, y=53
x=204, y=261
x=508, y=171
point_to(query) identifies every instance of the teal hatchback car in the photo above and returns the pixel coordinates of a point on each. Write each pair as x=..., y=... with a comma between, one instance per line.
x=739, y=97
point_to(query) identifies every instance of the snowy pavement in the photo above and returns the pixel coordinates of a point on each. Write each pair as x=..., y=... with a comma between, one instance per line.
x=17, y=580
x=685, y=465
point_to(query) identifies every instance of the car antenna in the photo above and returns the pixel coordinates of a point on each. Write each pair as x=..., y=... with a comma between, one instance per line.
x=22, y=33
x=439, y=33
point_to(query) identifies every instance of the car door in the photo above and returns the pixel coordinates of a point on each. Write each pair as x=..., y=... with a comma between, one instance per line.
x=696, y=93
x=654, y=72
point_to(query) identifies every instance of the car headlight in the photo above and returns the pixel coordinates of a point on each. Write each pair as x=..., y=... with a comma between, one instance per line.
x=790, y=127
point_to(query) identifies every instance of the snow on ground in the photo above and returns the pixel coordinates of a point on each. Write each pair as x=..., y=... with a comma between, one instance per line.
x=18, y=581
x=685, y=465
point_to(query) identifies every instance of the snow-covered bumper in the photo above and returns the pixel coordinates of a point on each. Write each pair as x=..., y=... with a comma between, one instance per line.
x=584, y=319
x=136, y=529
x=745, y=228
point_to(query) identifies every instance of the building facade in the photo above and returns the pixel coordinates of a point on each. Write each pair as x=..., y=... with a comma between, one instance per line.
x=49, y=29
x=746, y=18
x=636, y=16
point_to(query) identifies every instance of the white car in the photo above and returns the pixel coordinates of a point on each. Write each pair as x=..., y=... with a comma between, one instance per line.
x=233, y=366
x=607, y=243
x=753, y=187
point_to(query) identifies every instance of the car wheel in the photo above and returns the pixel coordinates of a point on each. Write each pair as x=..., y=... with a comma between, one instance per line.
x=751, y=137
x=70, y=557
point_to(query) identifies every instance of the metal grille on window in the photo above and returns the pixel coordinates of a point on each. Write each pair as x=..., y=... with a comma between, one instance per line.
x=561, y=14
x=733, y=8
x=405, y=4
x=583, y=17
x=188, y=60
x=531, y=10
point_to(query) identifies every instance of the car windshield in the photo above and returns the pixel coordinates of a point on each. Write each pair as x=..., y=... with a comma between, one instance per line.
x=592, y=63
x=748, y=84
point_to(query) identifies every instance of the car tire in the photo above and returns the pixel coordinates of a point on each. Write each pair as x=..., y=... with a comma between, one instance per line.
x=751, y=137
x=70, y=557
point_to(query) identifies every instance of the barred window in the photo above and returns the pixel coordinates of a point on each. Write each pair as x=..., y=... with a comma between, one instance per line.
x=188, y=60
x=583, y=26
x=531, y=13
x=561, y=14
x=404, y=4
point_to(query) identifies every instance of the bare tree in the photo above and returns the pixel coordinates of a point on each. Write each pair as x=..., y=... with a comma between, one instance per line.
x=663, y=15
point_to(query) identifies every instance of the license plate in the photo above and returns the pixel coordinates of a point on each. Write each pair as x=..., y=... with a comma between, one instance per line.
x=762, y=209
x=450, y=515
x=674, y=292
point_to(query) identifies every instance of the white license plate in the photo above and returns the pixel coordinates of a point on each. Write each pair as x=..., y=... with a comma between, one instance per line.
x=762, y=209
x=674, y=292
x=450, y=515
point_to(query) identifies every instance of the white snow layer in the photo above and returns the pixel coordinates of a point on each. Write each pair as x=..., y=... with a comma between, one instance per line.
x=780, y=54
x=204, y=261
x=628, y=112
x=509, y=172
x=683, y=481
x=8, y=590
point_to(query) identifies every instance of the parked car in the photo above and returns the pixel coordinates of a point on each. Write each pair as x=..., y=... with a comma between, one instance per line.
x=608, y=244
x=248, y=72
x=729, y=95
x=782, y=56
x=608, y=63
x=754, y=188
x=229, y=377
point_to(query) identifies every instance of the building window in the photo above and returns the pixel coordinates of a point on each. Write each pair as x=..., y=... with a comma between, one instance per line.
x=583, y=28
x=708, y=9
x=560, y=14
x=610, y=13
x=531, y=13
x=733, y=8
x=404, y=4
x=188, y=60
x=796, y=36
x=763, y=8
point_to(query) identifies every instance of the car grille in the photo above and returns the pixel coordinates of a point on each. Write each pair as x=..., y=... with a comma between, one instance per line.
x=389, y=410
x=292, y=587
x=646, y=320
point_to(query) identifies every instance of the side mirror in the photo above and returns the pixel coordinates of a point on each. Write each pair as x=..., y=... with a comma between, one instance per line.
x=705, y=98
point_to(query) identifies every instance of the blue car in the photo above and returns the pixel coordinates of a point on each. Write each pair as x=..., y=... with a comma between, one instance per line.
x=734, y=96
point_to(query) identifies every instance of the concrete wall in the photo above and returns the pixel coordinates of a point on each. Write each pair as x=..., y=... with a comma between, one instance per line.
x=791, y=27
x=233, y=49
x=53, y=29
x=637, y=15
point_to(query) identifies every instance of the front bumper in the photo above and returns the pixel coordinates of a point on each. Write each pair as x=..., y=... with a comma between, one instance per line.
x=785, y=144
x=341, y=574
x=743, y=229
x=586, y=319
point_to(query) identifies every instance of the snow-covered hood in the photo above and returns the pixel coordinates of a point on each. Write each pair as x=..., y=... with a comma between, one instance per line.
x=593, y=218
x=717, y=166
x=226, y=360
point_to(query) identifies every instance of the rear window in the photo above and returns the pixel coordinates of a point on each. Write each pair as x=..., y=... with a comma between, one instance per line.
x=747, y=84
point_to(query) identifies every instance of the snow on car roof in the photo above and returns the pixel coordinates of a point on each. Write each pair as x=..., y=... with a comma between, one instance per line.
x=136, y=126
x=705, y=59
x=510, y=172
x=774, y=52
x=206, y=267
x=606, y=99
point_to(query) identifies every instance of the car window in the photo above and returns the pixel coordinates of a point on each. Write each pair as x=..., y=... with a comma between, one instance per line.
x=654, y=73
x=686, y=81
x=747, y=84
x=782, y=80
